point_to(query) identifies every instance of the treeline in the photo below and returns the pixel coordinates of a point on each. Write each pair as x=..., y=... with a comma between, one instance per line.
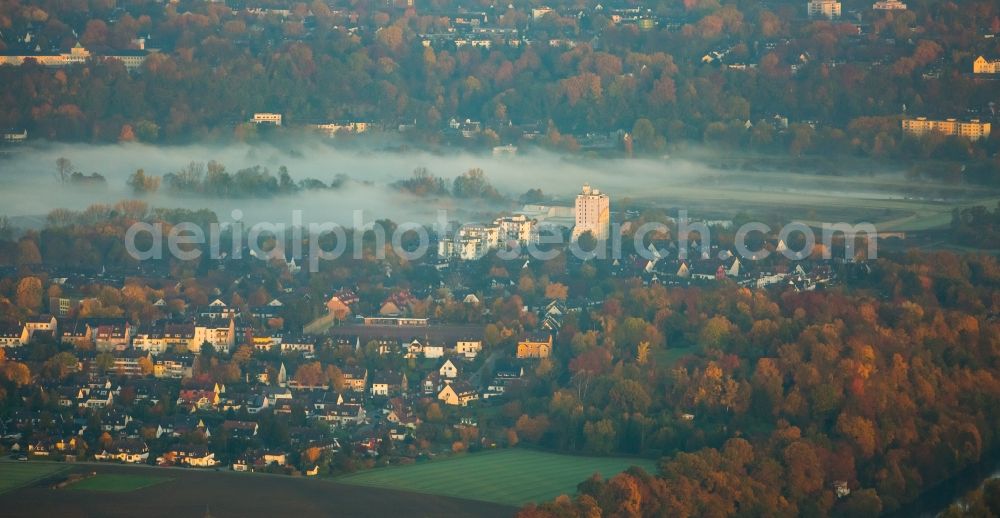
x=841, y=92
x=976, y=227
x=214, y=180
x=66, y=173
x=470, y=185
x=983, y=502
x=883, y=388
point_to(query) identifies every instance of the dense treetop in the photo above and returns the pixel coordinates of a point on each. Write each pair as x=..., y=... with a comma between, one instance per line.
x=841, y=91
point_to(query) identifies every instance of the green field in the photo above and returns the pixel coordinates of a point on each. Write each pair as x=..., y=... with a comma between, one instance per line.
x=18, y=474
x=115, y=483
x=513, y=477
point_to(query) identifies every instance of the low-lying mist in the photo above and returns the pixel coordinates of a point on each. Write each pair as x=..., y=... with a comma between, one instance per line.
x=31, y=188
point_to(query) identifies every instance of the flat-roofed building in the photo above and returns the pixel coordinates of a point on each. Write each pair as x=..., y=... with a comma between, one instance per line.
x=973, y=129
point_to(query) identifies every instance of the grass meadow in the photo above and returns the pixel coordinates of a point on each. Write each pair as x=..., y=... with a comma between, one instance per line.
x=512, y=477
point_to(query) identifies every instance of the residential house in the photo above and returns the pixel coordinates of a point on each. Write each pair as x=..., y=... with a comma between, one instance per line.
x=339, y=305
x=356, y=378
x=294, y=384
x=115, y=420
x=174, y=366
x=159, y=338
x=399, y=433
x=388, y=383
x=40, y=323
x=306, y=346
x=147, y=390
x=274, y=457
x=41, y=447
x=77, y=332
x=66, y=444
x=415, y=349
x=219, y=333
x=390, y=309
x=264, y=343
x=553, y=315
x=243, y=463
x=343, y=414
x=270, y=310
x=433, y=351
x=14, y=135
x=10, y=336
x=448, y=370
x=331, y=129
x=275, y=395
x=256, y=403
x=505, y=373
x=183, y=425
x=401, y=413
x=195, y=456
x=200, y=399
x=240, y=429
x=458, y=393
x=432, y=383
x=323, y=400
x=129, y=451
x=180, y=336
x=983, y=66
x=401, y=300
x=259, y=460
x=129, y=362
x=110, y=334
x=841, y=488
x=70, y=396
x=98, y=398
x=535, y=346
x=150, y=339
x=468, y=348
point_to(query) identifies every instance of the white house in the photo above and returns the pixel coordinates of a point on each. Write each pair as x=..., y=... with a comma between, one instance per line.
x=220, y=334
x=128, y=451
x=10, y=336
x=468, y=348
x=40, y=323
x=433, y=351
x=459, y=394
x=448, y=370
x=267, y=118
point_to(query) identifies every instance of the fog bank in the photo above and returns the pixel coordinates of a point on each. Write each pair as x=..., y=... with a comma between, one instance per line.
x=31, y=187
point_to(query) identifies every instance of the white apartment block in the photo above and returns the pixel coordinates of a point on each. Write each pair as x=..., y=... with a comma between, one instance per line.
x=592, y=214
x=331, y=129
x=889, y=5
x=132, y=59
x=828, y=9
x=267, y=118
x=972, y=129
x=220, y=334
x=472, y=241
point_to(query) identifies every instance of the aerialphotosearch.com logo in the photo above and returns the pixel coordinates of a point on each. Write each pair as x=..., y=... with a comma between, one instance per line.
x=185, y=241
